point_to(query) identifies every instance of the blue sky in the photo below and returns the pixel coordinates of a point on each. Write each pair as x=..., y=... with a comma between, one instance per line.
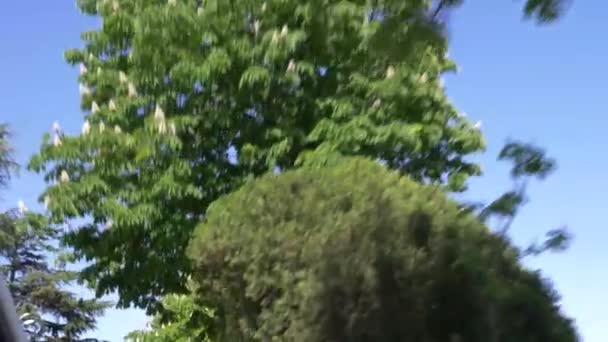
x=545, y=85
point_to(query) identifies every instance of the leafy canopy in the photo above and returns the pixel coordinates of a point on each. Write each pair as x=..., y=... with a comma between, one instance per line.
x=186, y=99
x=182, y=321
x=354, y=252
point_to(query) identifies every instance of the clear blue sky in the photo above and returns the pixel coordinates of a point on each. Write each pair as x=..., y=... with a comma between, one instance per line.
x=546, y=85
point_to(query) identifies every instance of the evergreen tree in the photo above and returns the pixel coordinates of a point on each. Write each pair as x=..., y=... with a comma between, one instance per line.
x=7, y=163
x=186, y=99
x=49, y=310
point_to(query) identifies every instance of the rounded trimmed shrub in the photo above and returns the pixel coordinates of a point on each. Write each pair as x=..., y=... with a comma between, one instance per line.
x=355, y=252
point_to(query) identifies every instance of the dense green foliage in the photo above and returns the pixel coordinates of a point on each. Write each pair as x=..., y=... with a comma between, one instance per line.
x=186, y=321
x=172, y=87
x=186, y=99
x=51, y=311
x=354, y=252
x=182, y=321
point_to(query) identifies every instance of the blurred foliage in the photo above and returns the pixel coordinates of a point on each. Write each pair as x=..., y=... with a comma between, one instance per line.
x=7, y=164
x=545, y=11
x=354, y=252
x=528, y=162
x=541, y=11
x=182, y=321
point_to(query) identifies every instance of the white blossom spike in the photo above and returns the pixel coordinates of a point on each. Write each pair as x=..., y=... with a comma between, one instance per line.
x=424, y=77
x=264, y=6
x=56, y=127
x=199, y=10
x=162, y=126
x=91, y=56
x=94, y=107
x=284, y=31
x=159, y=114
x=99, y=70
x=291, y=67
x=112, y=105
x=275, y=37
x=22, y=207
x=115, y=5
x=86, y=128
x=390, y=72
x=172, y=129
x=377, y=104
x=57, y=140
x=47, y=202
x=64, y=178
x=108, y=225
x=84, y=90
x=122, y=77
x=132, y=90
x=117, y=129
x=83, y=69
x=256, y=27
x=172, y=2
x=477, y=125
x=102, y=127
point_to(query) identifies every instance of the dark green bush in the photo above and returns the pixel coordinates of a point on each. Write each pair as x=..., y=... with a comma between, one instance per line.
x=354, y=252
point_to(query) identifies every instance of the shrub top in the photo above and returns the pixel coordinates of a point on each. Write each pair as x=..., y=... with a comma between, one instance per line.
x=355, y=252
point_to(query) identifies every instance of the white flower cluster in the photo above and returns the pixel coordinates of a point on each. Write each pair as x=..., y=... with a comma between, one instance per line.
x=277, y=36
x=57, y=134
x=161, y=122
x=22, y=207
